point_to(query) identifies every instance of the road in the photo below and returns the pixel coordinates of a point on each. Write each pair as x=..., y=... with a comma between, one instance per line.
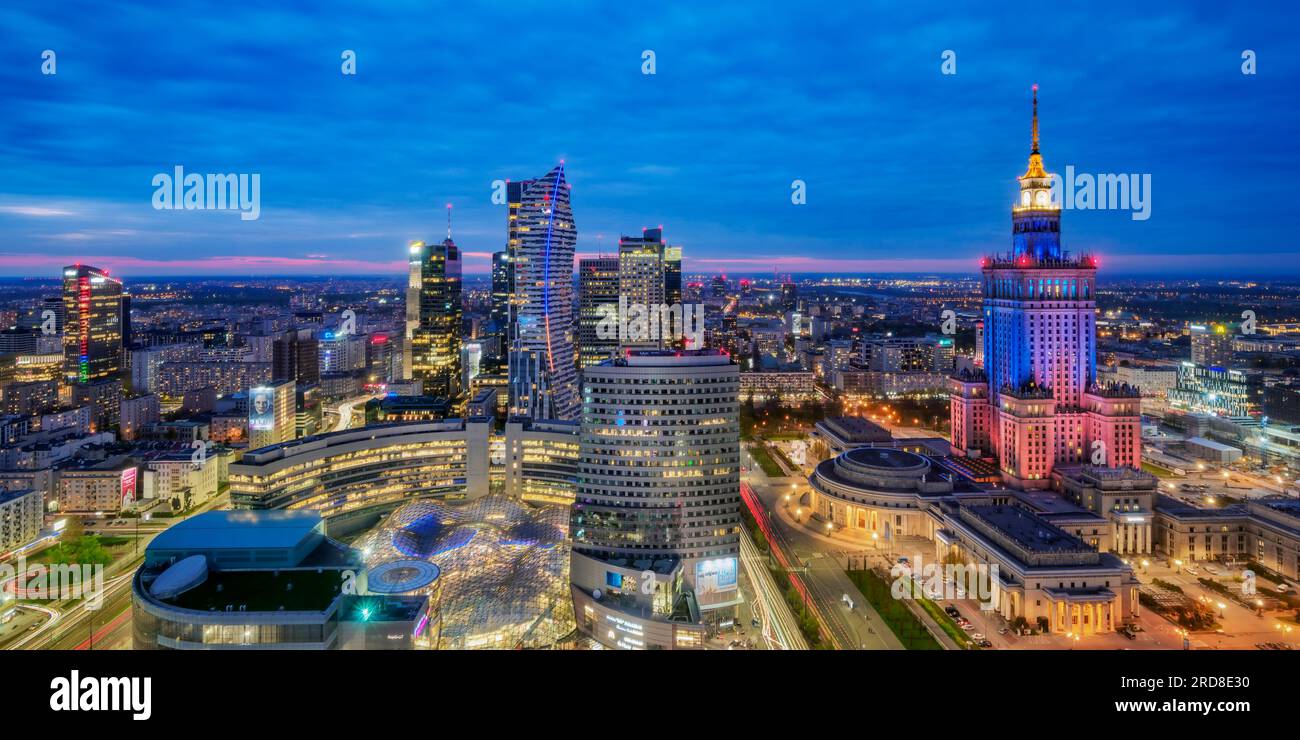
x=344, y=411
x=769, y=601
x=818, y=576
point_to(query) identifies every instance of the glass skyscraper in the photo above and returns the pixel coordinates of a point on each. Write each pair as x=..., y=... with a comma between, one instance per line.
x=93, y=324
x=540, y=240
x=435, y=346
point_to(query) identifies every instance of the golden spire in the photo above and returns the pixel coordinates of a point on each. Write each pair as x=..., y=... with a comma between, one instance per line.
x=1035, y=159
x=1035, y=147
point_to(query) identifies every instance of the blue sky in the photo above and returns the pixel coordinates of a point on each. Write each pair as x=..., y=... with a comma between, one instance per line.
x=906, y=168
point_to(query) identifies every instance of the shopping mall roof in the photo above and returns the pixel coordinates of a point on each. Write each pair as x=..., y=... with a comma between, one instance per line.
x=241, y=538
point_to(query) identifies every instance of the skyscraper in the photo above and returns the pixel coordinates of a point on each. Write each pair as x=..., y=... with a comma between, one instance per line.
x=295, y=355
x=1036, y=404
x=540, y=239
x=436, y=338
x=659, y=471
x=789, y=295
x=92, y=330
x=598, y=282
x=650, y=276
x=497, y=336
x=501, y=288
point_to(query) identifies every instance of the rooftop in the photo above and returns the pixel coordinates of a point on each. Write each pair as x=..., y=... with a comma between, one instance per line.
x=220, y=530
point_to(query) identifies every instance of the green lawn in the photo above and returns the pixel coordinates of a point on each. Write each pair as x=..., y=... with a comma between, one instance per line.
x=947, y=624
x=1156, y=470
x=900, y=620
x=765, y=461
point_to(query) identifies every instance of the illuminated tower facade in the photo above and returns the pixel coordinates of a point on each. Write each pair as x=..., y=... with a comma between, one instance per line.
x=598, y=284
x=93, y=324
x=1036, y=404
x=540, y=241
x=435, y=347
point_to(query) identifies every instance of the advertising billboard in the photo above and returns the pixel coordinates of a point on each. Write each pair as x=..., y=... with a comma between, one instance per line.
x=261, y=409
x=715, y=576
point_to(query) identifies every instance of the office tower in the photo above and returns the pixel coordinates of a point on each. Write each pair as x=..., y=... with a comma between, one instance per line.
x=271, y=413
x=17, y=341
x=789, y=295
x=659, y=474
x=308, y=416
x=673, y=276
x=719, y=286
x=295, y=356
x=380, y=354
x=598, y=281
x=341, y=353
x=127, y=338
x=1036, y=403
x=502, y=286
x=650, y=277
x=471, y=362
x=1211, y=345
x=436, y=337
x=92, y=337
x=540, y=239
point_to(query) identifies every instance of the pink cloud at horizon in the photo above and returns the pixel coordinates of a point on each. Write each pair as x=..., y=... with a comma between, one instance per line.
x=477, y=262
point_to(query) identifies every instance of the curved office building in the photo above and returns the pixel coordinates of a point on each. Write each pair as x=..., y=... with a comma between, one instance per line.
x=344, y=471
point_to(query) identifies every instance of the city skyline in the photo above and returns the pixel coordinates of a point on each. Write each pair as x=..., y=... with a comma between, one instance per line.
x=904, y=166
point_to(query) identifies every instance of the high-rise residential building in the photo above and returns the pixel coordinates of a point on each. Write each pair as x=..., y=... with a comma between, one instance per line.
x=540, y=239
x=272, y=417
x=598, y=281
x=436, y=337
x=658, y=492
x=92, y=337
x=295, y=356
x=1037, y=403
x=104, y=397
x=1211, y=345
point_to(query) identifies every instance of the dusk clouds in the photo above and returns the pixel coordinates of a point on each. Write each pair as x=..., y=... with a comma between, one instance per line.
x=906, y=168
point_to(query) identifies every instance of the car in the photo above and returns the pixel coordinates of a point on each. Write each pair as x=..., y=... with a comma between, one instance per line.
x=968, y=627
x=977, y=637
x=1128, y=634
x=1003, y=631
x=985, y=644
